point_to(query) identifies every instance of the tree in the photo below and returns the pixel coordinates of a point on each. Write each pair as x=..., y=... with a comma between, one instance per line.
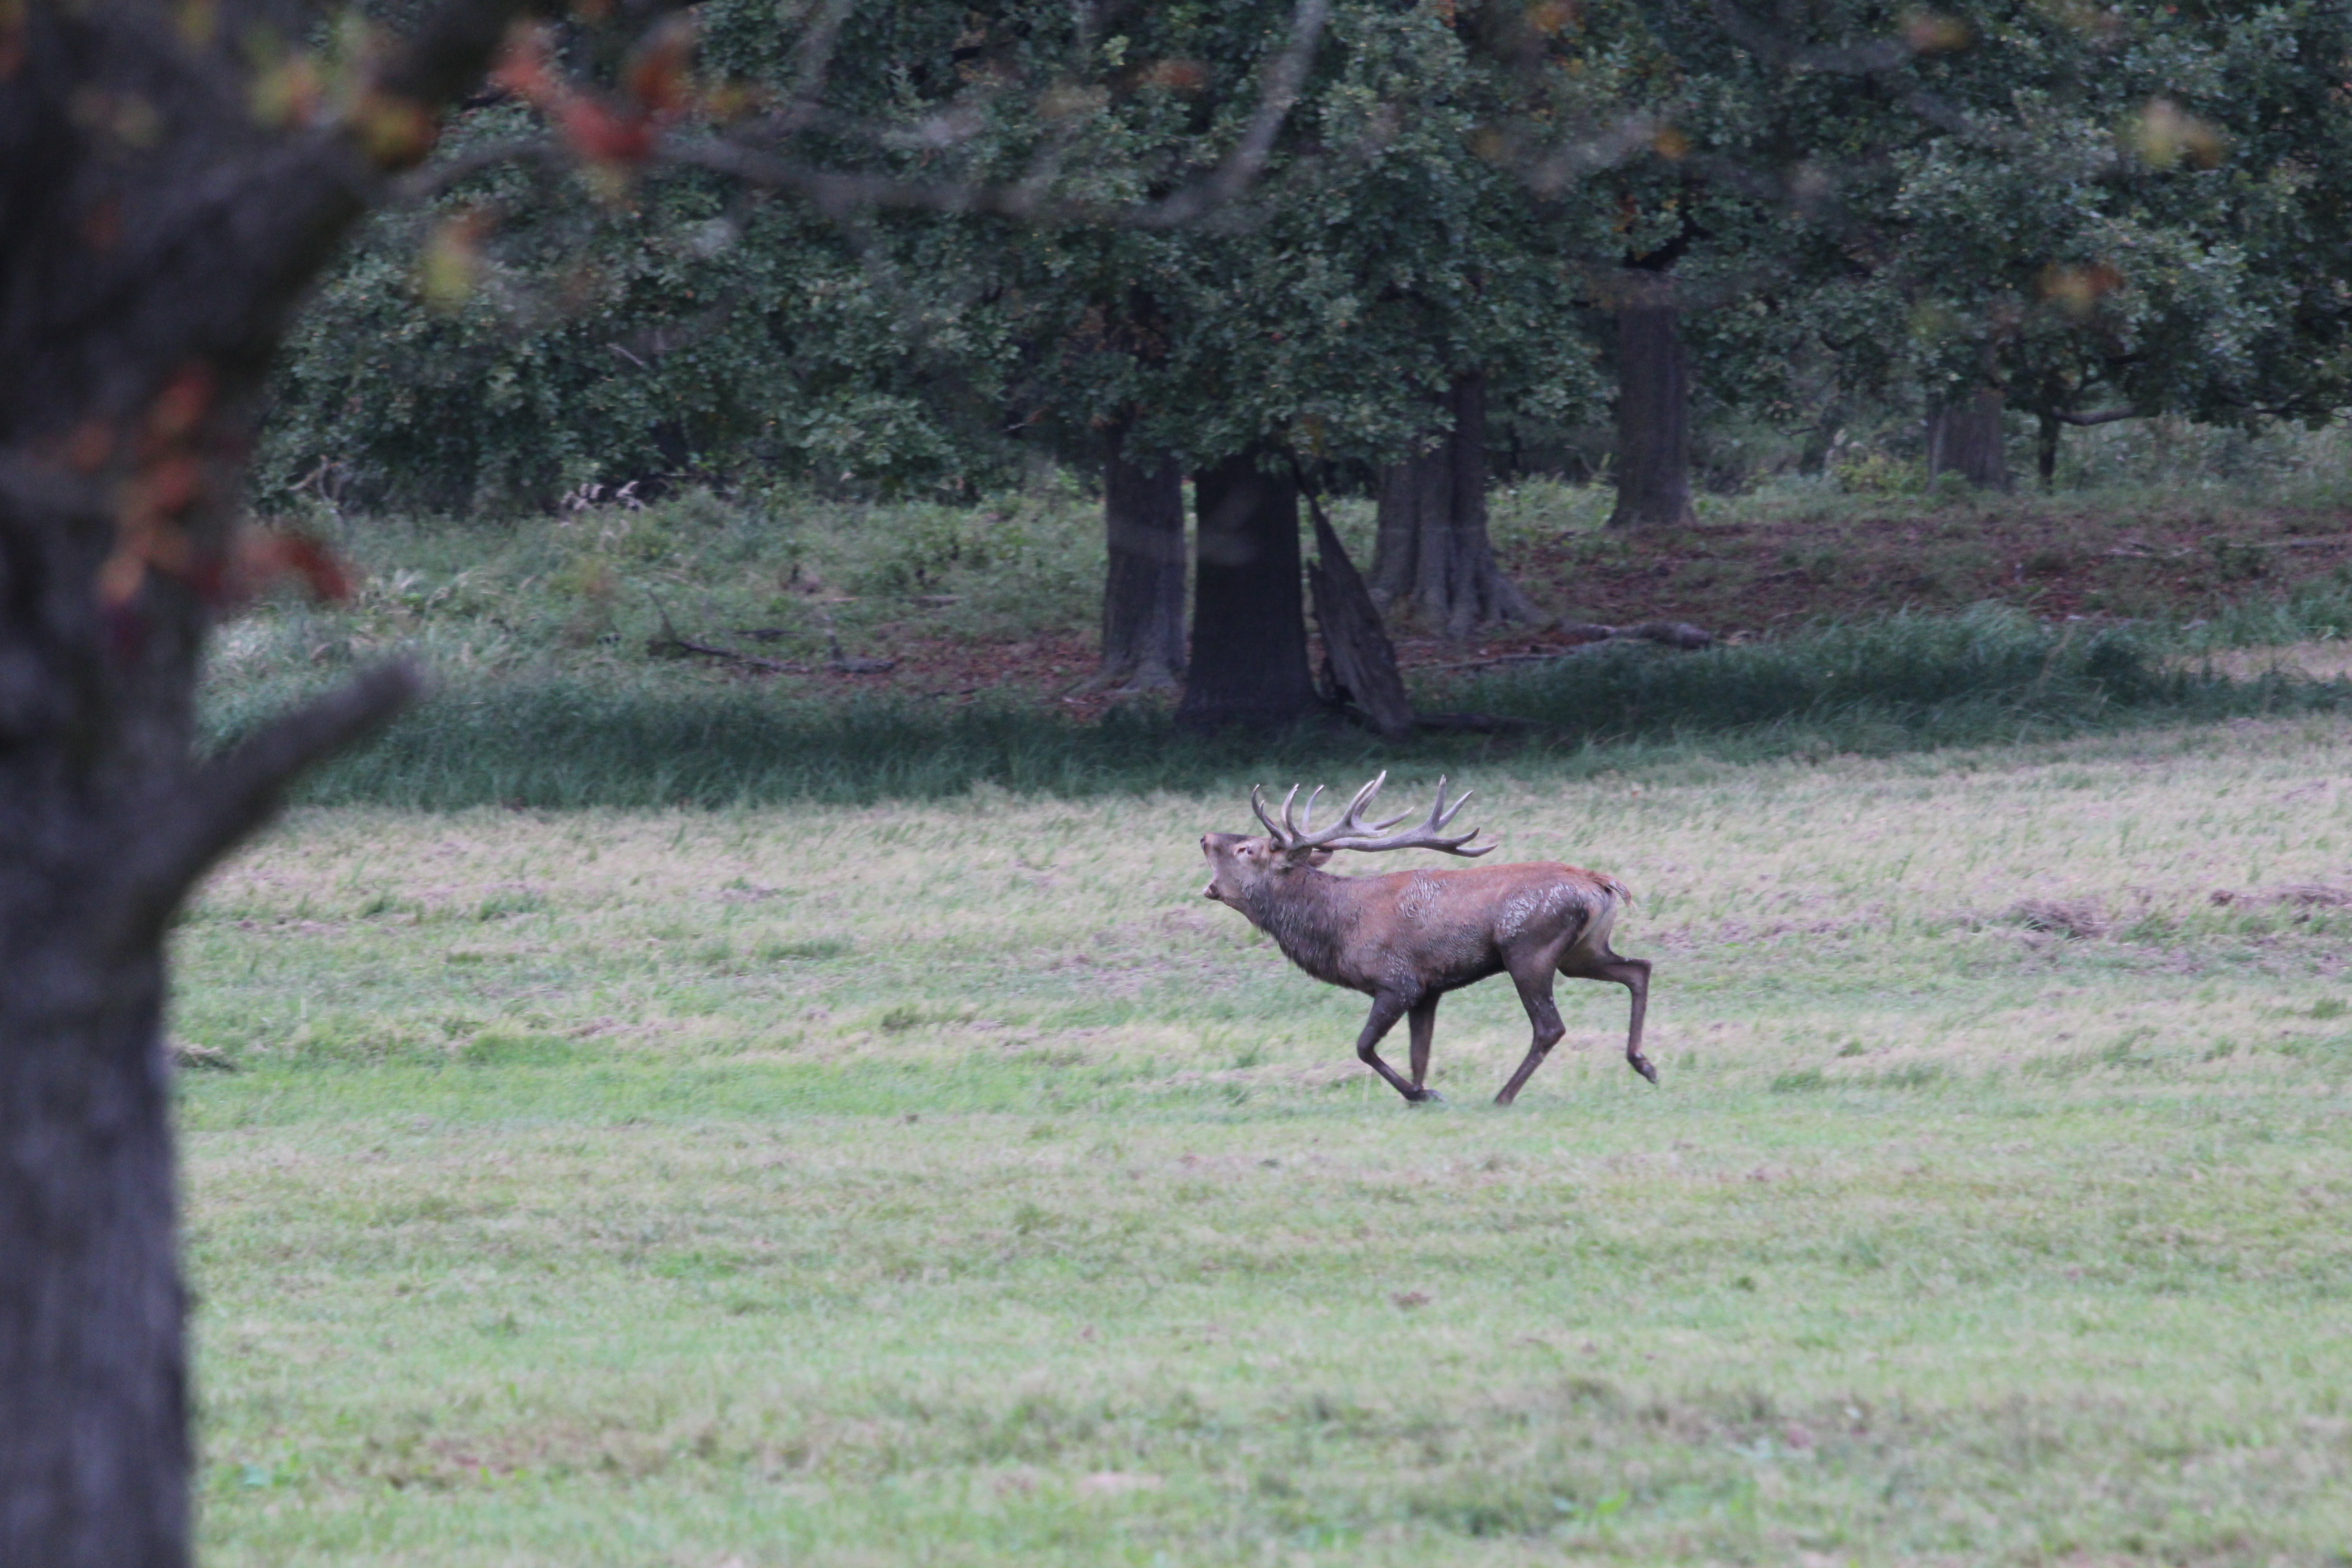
x=1394, y=277
x=170, y=182
x=1653, y=413
x=149, y=256
x=1143, y=590
x=2083, y=215
x=1964, y=438
x=1249, y=629
x=1433, y=555
x=693, y=328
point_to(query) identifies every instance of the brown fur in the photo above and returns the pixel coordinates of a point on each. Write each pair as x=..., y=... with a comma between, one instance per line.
x=1408, y=938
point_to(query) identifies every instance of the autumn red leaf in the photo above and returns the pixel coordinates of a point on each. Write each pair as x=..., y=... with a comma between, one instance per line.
x=182, y=404
x=601, y=136
x=268, y=556
x=657, y=76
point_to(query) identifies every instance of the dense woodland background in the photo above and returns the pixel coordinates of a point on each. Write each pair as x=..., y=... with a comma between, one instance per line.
x=1670, y=251
x=1857, y=225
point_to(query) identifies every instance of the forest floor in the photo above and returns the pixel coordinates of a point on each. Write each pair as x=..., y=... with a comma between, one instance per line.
x=947, y=1183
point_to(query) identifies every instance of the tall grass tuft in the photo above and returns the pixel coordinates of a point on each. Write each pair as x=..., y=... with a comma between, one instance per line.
x=1939, y=679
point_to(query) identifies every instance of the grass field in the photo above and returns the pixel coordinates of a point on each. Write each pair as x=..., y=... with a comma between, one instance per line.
x=949, y=1184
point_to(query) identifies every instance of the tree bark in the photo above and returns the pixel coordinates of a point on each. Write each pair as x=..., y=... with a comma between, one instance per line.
x=1964, y=439
x=1359, y=661
x=1143, y=586
x=144, y=281
x=1249, y=668
x=1433, y=554
x=93, y=1376
x=2047, y=428
x=1653, y=417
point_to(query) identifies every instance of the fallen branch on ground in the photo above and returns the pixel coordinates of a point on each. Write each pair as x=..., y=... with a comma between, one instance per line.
x=1668, y=634
x=670, y=645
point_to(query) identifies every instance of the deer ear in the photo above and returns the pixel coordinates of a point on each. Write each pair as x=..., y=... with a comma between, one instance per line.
x=1320, y=857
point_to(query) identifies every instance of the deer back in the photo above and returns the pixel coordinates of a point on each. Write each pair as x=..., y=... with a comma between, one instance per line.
x=1418, y=929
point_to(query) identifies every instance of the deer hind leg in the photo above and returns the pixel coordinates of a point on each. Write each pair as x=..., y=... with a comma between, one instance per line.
x=1533, y=981
x=1423, y=1022
x=1387, y=1008
x=1633, y=974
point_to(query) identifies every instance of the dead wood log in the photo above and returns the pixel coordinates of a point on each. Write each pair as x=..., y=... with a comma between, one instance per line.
x=1359, y=662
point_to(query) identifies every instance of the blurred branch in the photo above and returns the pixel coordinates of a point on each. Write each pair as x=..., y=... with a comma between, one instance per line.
x=836, y=191
x=423, y=185
x=1280, y=91
x=221, y=803
x=449, y=54
x=813, y=57
x=1775, y=49
x=1880, y=60
x=460, y=27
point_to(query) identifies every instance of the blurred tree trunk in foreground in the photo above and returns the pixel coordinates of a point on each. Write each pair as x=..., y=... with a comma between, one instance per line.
x=160, y=213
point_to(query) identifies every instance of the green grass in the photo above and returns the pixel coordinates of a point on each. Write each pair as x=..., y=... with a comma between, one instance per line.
x=947, y=1183
x=563, y=739
x=547, y=634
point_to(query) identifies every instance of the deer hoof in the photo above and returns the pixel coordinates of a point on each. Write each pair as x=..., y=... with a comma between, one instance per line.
x=1428, y=1097
x=1642, y=1065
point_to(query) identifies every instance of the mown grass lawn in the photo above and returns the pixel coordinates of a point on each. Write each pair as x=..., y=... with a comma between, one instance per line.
x=951, y=1184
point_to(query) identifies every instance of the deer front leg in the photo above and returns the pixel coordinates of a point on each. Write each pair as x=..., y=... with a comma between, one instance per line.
x=1424, y=1022
x=1387, y=1008
x=1533, y=981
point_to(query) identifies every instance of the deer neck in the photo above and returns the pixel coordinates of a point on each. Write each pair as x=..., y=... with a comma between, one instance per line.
x=1308, y=913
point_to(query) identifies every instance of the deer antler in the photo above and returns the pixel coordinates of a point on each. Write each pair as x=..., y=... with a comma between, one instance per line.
x=1352, y=832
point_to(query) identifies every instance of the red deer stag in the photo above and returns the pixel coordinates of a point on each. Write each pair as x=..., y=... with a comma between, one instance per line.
x=1408, y=938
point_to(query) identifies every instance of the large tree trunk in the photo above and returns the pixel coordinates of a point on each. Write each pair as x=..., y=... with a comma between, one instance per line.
x=1653, y=417
x=1433, y=554
x=1248, y=668
x=1143, y=586
x=144, y=281
x=1964, y=439
x=93, y=1377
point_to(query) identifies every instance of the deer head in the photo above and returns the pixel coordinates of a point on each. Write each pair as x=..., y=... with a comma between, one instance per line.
x=1244, y=869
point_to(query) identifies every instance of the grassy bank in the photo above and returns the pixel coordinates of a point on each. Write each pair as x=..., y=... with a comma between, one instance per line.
x=686, y=653
x=558, y=739
x=949, y=1184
